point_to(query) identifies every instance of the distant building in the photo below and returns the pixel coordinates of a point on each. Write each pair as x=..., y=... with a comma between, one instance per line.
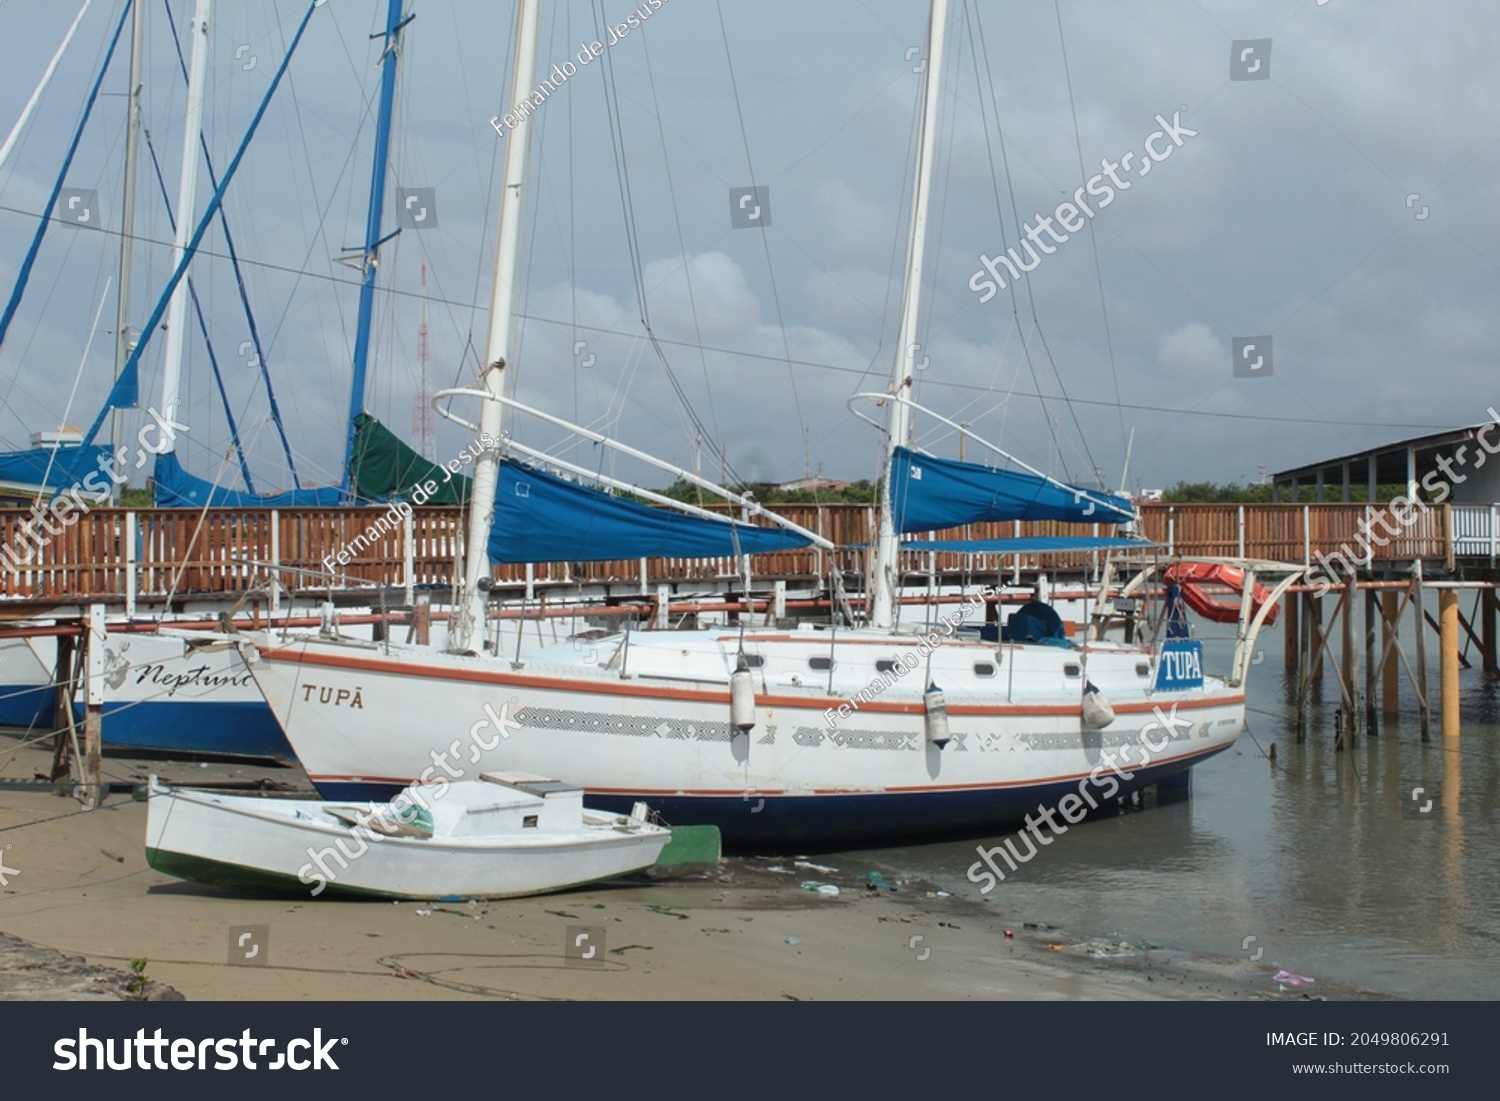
x=1455, y=458
x=832, y=485
x=1149, y=494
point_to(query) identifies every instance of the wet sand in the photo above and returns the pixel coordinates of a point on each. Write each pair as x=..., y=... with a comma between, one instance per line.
x=81, y=886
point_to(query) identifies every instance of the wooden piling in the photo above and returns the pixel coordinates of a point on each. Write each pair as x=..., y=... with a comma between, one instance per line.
x=1488, y=607
x=1424, y=712
x=65, y=752
x=1390, y=688
x=1372, y=612
x=1317, y=634
x=93, y=715
x=1449, y=660
x=1348, y=660
x=1290, y=632
x=1304, y=666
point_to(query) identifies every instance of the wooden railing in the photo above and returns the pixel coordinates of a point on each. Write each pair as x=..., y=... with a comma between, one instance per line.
x=149, y=553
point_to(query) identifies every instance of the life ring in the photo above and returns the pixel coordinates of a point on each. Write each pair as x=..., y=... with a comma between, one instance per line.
x=1193, y=576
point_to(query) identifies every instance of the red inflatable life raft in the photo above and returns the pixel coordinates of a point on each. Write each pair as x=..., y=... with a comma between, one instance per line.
x=1220, y=607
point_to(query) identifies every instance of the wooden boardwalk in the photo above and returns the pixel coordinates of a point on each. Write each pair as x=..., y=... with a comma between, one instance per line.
x=122, y=556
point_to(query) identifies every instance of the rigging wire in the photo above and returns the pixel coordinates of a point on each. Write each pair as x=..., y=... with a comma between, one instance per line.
x=977, y=39
x=764, y=239
x=1109, y=344
x=627, y=202
x=687, y=273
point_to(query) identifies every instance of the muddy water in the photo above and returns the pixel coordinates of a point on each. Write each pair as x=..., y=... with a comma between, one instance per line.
x=1325, y=859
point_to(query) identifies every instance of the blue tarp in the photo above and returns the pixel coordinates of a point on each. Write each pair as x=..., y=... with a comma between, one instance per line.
x=930, y=494
x=173, y=487
x=69, y=465
x=543, y=518
x=1041, y=544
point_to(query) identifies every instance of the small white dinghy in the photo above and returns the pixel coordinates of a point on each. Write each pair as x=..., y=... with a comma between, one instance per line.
x=501, y=836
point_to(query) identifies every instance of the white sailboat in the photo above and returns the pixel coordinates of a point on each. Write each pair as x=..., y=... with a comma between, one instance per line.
x=785, y=737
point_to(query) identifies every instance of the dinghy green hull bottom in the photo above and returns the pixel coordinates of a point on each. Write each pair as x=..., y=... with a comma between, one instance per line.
x=692, y=850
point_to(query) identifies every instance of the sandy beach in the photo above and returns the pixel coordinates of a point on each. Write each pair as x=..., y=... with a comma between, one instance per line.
x=78, y=884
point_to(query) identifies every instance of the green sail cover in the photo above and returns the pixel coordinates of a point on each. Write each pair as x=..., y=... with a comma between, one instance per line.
x=385, y=467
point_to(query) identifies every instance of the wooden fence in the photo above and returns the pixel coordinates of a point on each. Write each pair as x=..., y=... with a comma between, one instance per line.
x=149, y=553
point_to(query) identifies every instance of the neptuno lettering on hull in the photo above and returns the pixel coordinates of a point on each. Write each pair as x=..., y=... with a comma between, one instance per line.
x=198, y=677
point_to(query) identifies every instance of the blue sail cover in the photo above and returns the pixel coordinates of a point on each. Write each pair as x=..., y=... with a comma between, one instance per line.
x=543, y=518
x=173, y=487
x=69, y=466
x=929, y=494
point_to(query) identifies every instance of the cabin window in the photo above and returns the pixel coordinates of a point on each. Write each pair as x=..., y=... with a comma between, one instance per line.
x=753, y=661
x=984, y=669
x=529, y=822
x=885, y=665
x=1142, y=669
x=820, y=665
x=1072, y=669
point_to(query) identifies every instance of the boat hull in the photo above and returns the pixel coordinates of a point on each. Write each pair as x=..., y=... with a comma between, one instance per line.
x=364, y=724
x=249, y=844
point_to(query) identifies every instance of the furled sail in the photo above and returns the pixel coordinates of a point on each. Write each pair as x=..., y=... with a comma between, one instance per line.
x=173, y=487
x=384, y=467
x=540, y=517
x=930, y=493
x=42, y=471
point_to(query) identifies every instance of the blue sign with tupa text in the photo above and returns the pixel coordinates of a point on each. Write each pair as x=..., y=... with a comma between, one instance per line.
x=1180, y=665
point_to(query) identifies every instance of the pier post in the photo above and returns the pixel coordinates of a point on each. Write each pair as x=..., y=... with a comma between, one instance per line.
x=1348, y=660
x=1448, y=663
x=1390, y=688
x=1289, y=631
x=1425, y=713
x=65, y=751
x=1318, y=636
x=93, y=715
x=1372, y=611
x=1488, y=605
x=421, y=619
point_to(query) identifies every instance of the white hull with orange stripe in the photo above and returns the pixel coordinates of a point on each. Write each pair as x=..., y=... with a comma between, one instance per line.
x=649, y=718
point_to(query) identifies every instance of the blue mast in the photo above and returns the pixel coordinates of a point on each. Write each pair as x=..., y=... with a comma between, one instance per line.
x=371, y=251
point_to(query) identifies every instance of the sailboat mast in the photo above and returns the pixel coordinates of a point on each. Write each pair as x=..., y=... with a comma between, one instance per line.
x=187, y=190
x=127, y=216
x=471, y=603
x=370, y=258
x=41, y=86
x=898, y=425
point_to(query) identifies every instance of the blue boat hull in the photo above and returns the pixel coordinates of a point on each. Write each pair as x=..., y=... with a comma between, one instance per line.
x=26, y=705
x=205, y=728
x=812, y=822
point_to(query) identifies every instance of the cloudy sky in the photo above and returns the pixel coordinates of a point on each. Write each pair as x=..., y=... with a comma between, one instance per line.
x=1332, y=199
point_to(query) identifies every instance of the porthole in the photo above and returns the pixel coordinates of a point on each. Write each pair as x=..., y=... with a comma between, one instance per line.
x=820, y=665
x=1072, y=669
x=984, y=669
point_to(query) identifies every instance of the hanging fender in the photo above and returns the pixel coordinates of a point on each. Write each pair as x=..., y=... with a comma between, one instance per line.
x=935, y=716
x=741, y=699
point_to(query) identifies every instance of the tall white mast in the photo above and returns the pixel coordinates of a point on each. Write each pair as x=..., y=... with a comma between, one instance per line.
x=898, y=425
x=127, y=216
x=187, y=191
x=471, y=603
